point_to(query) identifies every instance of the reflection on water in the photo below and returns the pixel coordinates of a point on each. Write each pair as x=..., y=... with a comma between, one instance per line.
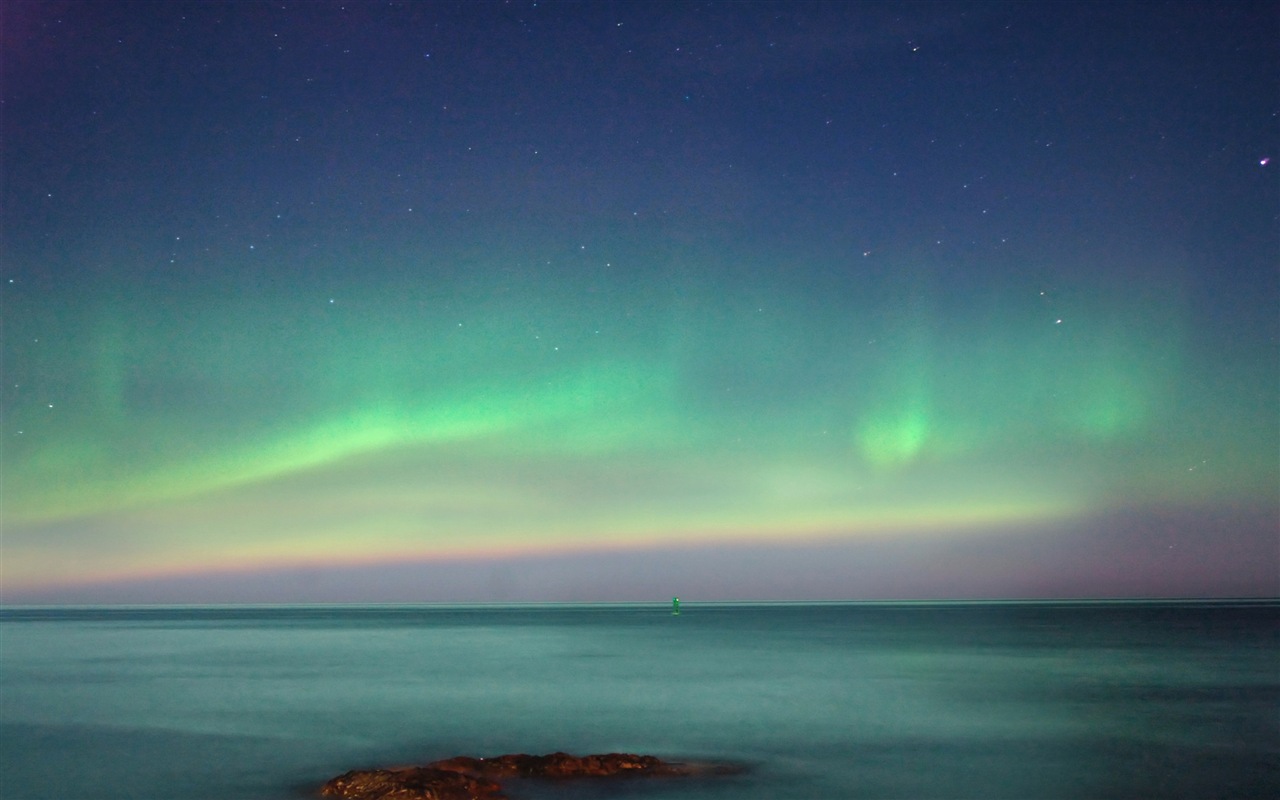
x=848, y=701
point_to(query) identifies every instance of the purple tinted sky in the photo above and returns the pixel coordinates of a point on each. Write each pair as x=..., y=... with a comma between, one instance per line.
x=610, y=301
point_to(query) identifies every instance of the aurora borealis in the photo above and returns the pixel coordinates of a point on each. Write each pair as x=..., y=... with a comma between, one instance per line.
x=544, y=301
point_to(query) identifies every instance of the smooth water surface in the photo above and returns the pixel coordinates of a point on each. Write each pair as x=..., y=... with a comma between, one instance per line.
x=1004, y=700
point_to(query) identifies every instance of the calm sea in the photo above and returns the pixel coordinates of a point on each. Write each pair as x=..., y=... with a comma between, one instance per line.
x=1005, y=700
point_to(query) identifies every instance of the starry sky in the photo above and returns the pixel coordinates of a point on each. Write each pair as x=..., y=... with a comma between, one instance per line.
x=369, y=301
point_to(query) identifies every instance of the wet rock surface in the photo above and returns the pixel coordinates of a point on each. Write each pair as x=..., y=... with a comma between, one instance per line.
x=467, y=778
x=415, y=783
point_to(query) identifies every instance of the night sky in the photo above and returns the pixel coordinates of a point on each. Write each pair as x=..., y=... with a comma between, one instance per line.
x=618, y=301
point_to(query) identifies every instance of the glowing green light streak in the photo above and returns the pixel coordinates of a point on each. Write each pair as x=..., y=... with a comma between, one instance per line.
x=73, y=478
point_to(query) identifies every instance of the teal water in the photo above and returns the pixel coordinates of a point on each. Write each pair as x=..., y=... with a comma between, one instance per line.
x=1089, y=700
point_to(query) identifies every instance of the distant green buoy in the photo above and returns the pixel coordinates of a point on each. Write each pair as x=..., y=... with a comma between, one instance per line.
x=675, y=606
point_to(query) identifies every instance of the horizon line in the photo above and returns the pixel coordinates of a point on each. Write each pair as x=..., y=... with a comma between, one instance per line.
x=664, y=603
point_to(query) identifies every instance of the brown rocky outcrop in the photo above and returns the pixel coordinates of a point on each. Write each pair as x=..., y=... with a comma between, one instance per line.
x=467, y=778
x=414, y=783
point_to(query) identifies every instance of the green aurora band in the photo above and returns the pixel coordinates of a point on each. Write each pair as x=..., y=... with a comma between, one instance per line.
x=505, y=410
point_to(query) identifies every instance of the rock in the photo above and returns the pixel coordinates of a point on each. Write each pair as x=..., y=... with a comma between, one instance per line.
x=559, y=765
x=414, y=783
x=467, y=778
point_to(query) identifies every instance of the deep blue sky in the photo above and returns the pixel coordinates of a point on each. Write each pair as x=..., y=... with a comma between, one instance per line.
x=616, y=300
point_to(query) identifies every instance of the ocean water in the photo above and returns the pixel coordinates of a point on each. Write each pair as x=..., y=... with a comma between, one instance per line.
x=1004, y=700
